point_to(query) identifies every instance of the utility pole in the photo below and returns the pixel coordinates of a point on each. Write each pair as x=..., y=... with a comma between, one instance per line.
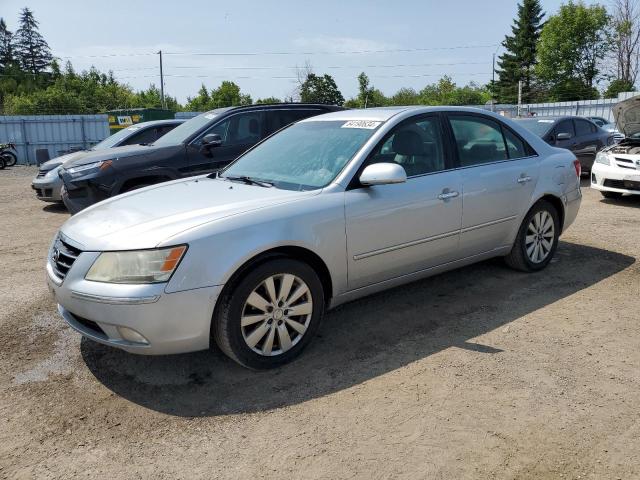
x=519, y=97
x=493, y=82
x=164, y=105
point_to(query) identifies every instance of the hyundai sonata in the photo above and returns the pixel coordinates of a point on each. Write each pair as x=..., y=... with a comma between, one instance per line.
x=327, y=210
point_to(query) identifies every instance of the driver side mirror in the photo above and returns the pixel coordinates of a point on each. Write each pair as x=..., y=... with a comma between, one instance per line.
x=211, y=140
x=383, y=174
x=563, y=136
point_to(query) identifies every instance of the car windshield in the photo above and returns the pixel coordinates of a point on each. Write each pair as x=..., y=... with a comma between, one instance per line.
x=539, y=126
x=185, y=130
x=116, y=138
x=305, y=156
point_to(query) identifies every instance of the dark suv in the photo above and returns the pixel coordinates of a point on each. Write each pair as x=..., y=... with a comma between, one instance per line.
x=201, y=145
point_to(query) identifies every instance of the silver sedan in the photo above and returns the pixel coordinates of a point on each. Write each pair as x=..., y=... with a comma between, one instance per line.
x=327, y=210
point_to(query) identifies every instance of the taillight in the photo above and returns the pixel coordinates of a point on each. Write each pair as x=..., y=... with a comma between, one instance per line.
x=578, y=167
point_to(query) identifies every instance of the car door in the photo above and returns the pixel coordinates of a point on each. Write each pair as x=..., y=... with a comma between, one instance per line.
x=238, y=132
x=394, y=230
x=587, y=142
x=564, y=127
x=499, y=172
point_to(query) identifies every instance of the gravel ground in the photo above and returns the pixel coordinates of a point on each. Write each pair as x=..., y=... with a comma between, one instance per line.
x=478, y=373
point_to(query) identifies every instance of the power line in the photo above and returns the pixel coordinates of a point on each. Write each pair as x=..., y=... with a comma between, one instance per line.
x=244, y=54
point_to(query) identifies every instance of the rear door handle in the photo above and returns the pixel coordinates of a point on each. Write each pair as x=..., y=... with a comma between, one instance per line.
x=524, y=179
x=447, y=194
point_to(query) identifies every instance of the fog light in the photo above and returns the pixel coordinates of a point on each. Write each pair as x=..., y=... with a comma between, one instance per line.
x=593, y=178
x=132, y=336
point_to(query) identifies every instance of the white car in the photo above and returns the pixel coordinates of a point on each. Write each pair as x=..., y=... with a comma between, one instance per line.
x=616, y=170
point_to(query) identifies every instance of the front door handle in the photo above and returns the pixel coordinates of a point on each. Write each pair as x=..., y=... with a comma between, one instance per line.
x=524, y=179
x=446, y=194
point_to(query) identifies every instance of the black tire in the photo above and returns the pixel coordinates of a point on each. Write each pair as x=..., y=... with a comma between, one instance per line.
x=10, y=159
x=226, y=327
x=518, y=258
x=612, y=195
x=2, y=163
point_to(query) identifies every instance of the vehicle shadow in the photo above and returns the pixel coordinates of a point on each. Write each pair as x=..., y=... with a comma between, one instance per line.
x=55, y=208
x=357, y=341
x=632, y=201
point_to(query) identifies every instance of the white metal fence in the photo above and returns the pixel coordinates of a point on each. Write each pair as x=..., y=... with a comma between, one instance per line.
x=55, y=133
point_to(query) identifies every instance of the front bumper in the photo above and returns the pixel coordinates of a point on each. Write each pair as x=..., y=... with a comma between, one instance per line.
x=47, y=189
x=610, y=178
x=137, y=318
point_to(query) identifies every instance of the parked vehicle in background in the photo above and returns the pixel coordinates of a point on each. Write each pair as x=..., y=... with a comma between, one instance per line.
x=583, y=137
x=616, y=170
x=9, y=154
x=203, y=144
x=329, y=209
x=607, y=126
x=47, y=183
x=2, y=164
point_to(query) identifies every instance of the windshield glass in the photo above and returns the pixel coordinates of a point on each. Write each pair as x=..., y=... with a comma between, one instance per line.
x=184, y=131
x=305, y=156
x=116, y=138
x=539, y=126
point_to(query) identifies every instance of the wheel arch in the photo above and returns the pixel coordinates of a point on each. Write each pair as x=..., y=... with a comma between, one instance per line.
x=295, y=252
x=557, y=203
x=143, y=180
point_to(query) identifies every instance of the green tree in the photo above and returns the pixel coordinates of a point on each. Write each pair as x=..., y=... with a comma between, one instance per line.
x=268, y=100
x=518, y=61
x=316, y=89
x=228, y=95
x=201, y=102
x=6, y=47
x=405, y=96
x=31, y=49
x=572, y=45
x=618, y=86
x=152, y=98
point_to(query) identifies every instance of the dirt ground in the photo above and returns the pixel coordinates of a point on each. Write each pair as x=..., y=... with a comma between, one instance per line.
x=478, y=373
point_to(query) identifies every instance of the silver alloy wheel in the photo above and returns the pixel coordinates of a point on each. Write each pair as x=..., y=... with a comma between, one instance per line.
x=276, y=314
x=540, y=236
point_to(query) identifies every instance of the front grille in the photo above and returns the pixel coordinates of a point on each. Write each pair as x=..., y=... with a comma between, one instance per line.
x=62, y=258
x=39, y=192
x=624, y=184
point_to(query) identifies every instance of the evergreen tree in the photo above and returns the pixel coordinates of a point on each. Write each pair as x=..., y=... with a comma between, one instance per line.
x=31, y=49
x=518, y=62
x=6, y=50
x=320, y=89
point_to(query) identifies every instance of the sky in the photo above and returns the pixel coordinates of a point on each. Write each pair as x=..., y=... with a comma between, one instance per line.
x=397, y=43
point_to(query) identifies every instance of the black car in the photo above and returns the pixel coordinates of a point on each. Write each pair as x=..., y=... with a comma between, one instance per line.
x=201, y=145
x=581, y=136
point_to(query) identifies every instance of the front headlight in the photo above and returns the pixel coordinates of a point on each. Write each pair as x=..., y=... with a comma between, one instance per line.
x=603, y=158
x=136, y=266
x=89, y=166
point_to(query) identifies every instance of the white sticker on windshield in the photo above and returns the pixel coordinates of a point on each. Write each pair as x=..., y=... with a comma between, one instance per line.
x=368, y=124
x=210, y=116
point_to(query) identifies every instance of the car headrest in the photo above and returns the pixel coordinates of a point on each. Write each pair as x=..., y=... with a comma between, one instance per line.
x=254, y=127
x=407, y=142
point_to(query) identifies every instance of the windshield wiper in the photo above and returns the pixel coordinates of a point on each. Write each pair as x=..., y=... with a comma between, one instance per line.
x=249, y=181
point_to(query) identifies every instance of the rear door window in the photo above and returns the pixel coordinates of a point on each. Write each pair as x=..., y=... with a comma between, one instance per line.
x=566, y=126
x=148, y=135
x=583, y=127
x=478, y=140
x=276, y=119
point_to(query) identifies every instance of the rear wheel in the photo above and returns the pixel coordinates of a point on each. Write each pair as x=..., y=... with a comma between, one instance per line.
x=10, y=159
x=2, y=164
x=613, y=195
x=269, y=315
x=537, y=239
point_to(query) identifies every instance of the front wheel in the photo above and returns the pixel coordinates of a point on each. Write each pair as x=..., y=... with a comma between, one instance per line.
x=537, y=239
x=10, y=158
x=270, y=314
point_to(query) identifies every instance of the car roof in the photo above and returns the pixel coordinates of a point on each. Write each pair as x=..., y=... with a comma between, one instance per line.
x=155, y=123
x=261, y=106
x=382, y=114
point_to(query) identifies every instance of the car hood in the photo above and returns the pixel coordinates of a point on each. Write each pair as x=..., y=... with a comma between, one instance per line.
x=627, y=115
x=146, y=218
x=69, y=157
x=111, y=154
